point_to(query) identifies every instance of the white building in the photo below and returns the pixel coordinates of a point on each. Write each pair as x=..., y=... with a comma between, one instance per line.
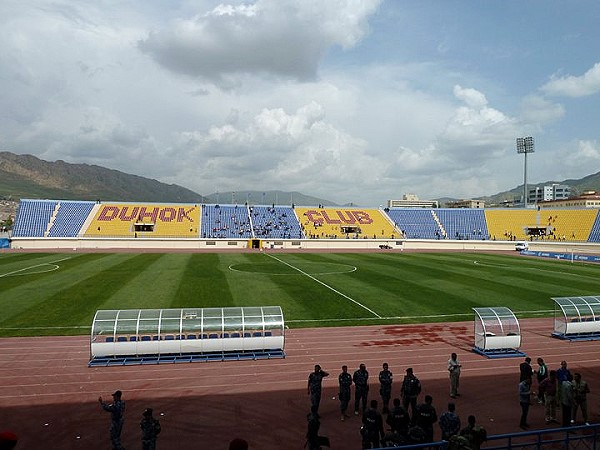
x=549, y=193
x=412, y=201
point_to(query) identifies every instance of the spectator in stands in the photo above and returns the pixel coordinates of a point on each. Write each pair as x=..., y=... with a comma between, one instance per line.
x=385, y=389
x=449, y=422
x=8, y=440
x=345, y=381
x=315, y=380
x=116, y=410
x=372, y=430
x=454, y=370
x=426, y=417
x=410, y=390
x=580, y=391
x=361, y=388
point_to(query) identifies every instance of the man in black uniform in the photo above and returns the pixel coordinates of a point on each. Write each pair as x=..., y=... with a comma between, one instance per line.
x=372, y=427
x=313, y=440
x=385, y=390
x=314, y=386
x=411, y=388
x=345, y=380
x=361, y=388
x=526, y=371
x=399, y=421
x=116, y=410
x=426, y=417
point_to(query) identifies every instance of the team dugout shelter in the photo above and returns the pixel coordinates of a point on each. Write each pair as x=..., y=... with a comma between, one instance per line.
x=577, y=318
x=497, y=332
x=152, y=336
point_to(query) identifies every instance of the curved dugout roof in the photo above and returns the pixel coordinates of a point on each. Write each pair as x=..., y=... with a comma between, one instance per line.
x=135, y=322
x=576, y=315
x=496, y=328
x=579, y=307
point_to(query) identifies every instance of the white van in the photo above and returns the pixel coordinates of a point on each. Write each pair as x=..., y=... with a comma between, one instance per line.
x=520, y=246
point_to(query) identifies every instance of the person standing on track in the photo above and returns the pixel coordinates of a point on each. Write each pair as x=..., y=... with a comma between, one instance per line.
x=525, y=369
x=580, y=391
x=454, y=370
x=345, y=381
x=315, y=380
x=410, y=390
x=524, y=401
x=361, y=388
x=385, y=387
x=117, y=411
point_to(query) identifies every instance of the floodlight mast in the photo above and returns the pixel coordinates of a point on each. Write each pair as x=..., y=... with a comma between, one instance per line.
x=525, y=145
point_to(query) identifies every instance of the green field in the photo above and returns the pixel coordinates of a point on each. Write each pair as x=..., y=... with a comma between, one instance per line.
x=58, y=294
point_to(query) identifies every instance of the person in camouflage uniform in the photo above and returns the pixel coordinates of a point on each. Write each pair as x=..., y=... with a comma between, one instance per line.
x=345, y=381
x=361, y=388
x=117, y=411
x=150, y=430
x=385, y=389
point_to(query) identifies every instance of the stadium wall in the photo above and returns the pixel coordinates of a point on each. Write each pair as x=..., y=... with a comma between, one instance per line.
x=173, y=244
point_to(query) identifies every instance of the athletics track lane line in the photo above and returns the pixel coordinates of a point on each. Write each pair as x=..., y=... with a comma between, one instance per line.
x=326, y=285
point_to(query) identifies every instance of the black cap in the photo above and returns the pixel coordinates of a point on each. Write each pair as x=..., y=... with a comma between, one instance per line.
x=117, y=394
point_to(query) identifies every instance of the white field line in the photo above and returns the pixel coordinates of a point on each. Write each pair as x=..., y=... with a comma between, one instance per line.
x=543, y=313
x=33, y=267
x=324, y=284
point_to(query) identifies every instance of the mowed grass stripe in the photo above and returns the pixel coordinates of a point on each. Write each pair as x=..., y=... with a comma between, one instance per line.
x=153, y=287
x=298, y=295
x=460, y=282
x=413, y=286
x=203, y=284
x=76, y=304
x=22, y=293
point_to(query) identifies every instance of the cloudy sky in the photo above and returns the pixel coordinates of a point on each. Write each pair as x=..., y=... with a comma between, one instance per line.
x=348, y=100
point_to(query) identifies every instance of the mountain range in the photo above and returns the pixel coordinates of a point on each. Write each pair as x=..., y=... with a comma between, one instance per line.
x=26, y=176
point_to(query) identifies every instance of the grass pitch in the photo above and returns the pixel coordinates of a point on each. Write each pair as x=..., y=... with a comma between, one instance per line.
x=58, y=294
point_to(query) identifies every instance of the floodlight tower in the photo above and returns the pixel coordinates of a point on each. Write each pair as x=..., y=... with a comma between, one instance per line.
x=525, y=145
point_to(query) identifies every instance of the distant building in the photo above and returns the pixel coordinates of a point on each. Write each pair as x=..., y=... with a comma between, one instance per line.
x=589, y=199
x=412, y=201
x=466, y=204
x=549, y=193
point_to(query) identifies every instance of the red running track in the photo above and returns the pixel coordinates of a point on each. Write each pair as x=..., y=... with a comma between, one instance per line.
x=48, y=395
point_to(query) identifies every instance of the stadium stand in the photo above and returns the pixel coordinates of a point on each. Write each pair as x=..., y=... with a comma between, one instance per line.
x=69, y=217
x=226, y=221
x=342, y=223
x=595, y=233
x=33, y=217
x=416, y=223
x=275, y=222
x=145, y=220
x=565, y=224
x=463, y=223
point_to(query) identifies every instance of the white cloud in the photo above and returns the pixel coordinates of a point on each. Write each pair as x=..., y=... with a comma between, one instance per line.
x=283, y=38
x=538, y=110
x=575, y=86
